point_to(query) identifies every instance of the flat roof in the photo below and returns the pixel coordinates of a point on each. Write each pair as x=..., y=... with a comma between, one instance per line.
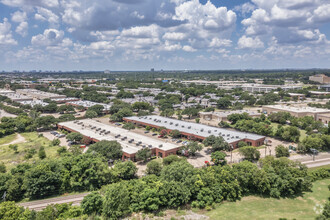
x=34, y=102
x=89, y=127
x=16, y=96
x=88, y=104
x=226, y=113
x=230, y=136
x=297, y=109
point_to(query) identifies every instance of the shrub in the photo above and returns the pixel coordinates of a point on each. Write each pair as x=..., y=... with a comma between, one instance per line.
x=282, y=151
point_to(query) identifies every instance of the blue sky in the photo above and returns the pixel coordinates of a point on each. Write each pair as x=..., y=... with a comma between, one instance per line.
x=164, y=34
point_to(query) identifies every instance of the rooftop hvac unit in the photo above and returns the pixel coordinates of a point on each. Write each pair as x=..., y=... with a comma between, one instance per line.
x=140, y=142
x=176, y=124
x=237, y=136
x=171, y=123
x=160, y=146
x=223, y=135
x=209, y=131
x=202, y=130
x=150, y=146
x=228, y=135
x=182, y=126
x=189, y=127
x=155, y=119
x=165, y=121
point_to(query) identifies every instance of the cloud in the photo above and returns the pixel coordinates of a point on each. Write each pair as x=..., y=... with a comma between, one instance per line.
x=31, y=3
x=44, y=14
x=249, y=42
x=188, y=48
x=287, y=20
x=245, y=8
x=6, y=37
x=22, y=28
x=50, y=37
x=18, y=16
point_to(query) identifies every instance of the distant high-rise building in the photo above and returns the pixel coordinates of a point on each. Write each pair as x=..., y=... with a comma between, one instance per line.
x=152, y=70
x=106, y=71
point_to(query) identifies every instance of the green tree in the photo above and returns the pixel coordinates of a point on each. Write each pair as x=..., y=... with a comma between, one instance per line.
x=281, y=151
x=92, y=204
x=125, y=170
x=249, y=153
x=219, y=158
x=3, y=168
x=124, y=112
x=223, y=103
x=75, y=137
x=10, y=211
x=108, y=149
x=143, y=154
x=242, y=144
x=117, y=201
x=56, y=142
x=46, y=122
x=43, y=180
x=171, y=159
x=192, y=148
x=90, y=114
x=129, y=126
x=42, y=153
x=175, y=134
x=217, y=143
x=14, y=147
x=154, y=167
x=96, y=108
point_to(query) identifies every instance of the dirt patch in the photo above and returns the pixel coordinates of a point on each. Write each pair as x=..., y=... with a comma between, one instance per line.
x=19, y=139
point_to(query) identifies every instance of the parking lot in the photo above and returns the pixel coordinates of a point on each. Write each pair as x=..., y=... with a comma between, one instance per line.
x=48, y=135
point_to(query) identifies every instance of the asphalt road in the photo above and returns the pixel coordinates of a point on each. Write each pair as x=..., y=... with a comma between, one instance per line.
x=39, y=205
x=317, y=163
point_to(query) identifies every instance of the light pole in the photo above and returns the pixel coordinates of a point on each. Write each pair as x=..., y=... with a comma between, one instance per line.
x=231, y=153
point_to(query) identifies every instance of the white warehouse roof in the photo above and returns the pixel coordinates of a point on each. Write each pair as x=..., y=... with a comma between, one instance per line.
x=230, y=136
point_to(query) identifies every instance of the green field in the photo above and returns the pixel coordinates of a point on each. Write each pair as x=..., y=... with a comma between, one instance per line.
x=252, y=207
x=10, y=158
x=7, y=139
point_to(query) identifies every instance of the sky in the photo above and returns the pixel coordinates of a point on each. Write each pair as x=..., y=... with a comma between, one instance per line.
x=164, y=34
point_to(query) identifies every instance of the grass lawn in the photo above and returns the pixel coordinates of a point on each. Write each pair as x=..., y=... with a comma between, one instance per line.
x=252, y=207
x=7, y=139
x=10, y=158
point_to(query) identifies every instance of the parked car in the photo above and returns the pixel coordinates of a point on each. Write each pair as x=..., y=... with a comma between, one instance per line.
x=61, y=136
x=146, y=132
x=154, y=134
x=179, y=141
x=160, y=136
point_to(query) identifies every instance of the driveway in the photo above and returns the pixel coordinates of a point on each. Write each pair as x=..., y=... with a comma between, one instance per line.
x=51, y=137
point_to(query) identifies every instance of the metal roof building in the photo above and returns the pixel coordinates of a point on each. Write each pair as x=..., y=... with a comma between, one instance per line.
x=131, y=142
x=197, y=131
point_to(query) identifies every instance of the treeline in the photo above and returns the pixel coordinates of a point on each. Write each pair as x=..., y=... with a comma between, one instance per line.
x=288, y=128
x=72, y=172
x=173, y=184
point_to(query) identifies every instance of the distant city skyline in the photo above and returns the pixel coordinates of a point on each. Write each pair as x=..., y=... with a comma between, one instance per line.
x=128, y=35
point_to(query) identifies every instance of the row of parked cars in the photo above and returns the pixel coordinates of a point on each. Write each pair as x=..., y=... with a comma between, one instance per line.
x=56, y=134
